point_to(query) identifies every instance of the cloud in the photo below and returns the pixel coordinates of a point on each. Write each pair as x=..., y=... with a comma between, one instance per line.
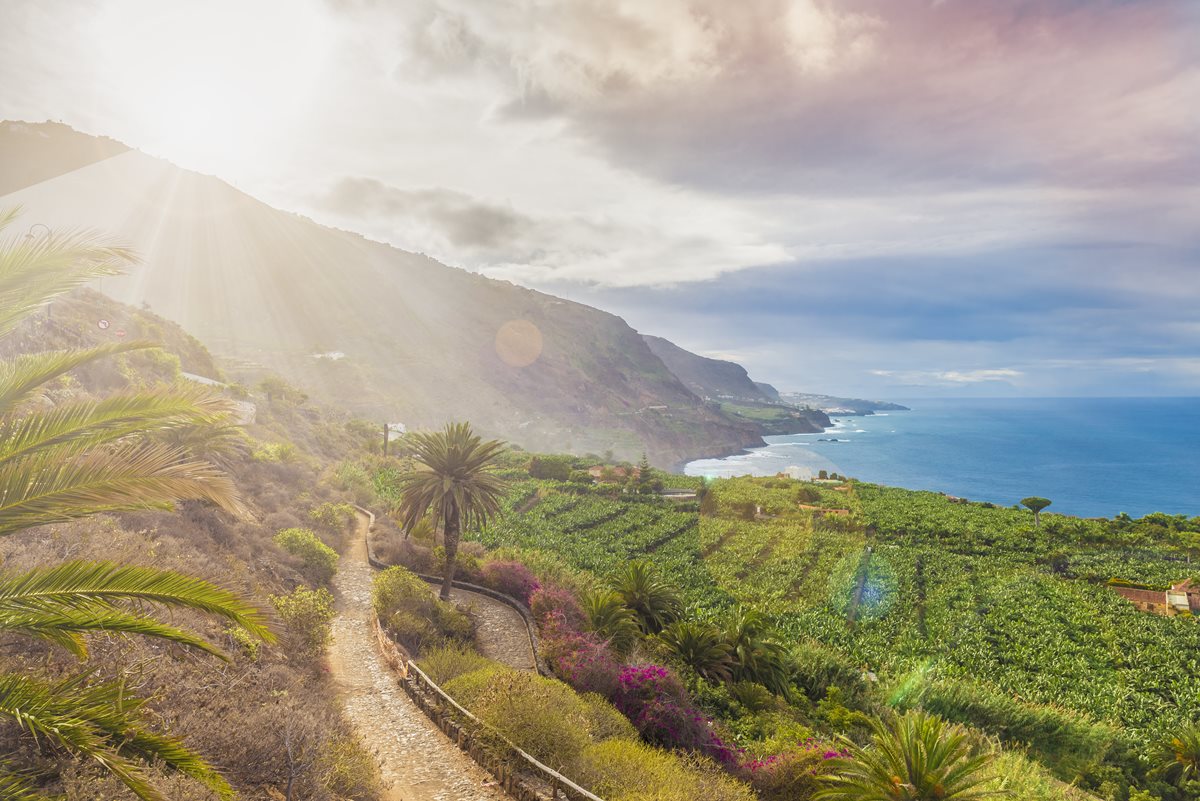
x=918, y=377
x=462, y=220
x=509, y=244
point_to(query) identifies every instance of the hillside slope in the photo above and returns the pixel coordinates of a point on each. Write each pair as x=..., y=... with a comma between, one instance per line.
x=405, y=338
x=708, y=378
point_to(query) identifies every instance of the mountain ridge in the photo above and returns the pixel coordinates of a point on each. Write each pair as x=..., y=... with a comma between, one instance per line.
x=380, y=331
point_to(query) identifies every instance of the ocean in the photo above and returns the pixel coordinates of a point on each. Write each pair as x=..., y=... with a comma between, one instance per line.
x=1093, y=457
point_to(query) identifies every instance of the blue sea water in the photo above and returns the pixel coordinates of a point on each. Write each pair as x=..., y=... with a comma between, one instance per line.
x=1091, y=456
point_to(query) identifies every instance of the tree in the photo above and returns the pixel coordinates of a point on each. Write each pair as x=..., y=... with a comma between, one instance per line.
x=756, y=655
x=1180, y=756
x=76, y=459
x=918, y=757
x=1035, y=505
x=455, y=482
x=655, y=602
x=608, y=616
x=701, y=647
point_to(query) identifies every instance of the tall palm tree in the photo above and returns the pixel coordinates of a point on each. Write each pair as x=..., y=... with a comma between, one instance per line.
x=655, y=602
x=76, y=459
x=454, y=482
x=919, y=757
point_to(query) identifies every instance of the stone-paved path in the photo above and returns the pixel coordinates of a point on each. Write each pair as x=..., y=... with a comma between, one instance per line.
x=418, y=762
x=500, y=630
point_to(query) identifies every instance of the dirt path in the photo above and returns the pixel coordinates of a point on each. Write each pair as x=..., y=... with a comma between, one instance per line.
x=418, y=762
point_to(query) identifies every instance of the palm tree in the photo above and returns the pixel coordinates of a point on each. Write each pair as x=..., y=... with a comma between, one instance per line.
x=700, y=646
x=916, y=758
x=608, y=616
x=655, y=602
x=757, y=657
x=455, y=482
x=1181, y=756
x=76, y=459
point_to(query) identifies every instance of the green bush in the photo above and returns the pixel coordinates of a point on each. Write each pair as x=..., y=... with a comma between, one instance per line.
x=450, y=662
x=407, y=608
x=320, y=561
x=275, y=453
x=468, y=688
x=604, y=721
x=625, y=770
x=336, y=518
x=307, y=616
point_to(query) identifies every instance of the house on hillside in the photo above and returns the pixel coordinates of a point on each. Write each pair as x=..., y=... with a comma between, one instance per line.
x=1183, y=596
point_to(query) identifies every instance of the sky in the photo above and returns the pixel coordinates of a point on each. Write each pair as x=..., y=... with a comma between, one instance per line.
x=880, y=198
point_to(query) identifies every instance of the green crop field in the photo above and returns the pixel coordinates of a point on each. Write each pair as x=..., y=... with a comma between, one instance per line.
x=931, y=594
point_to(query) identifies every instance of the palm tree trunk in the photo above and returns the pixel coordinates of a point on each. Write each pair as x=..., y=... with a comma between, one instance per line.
x=450, y=538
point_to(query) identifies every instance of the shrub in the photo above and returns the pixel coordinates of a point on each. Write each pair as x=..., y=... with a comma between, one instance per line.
x=468, y=688
x=541, y=716
x=407, y=608
x=623, y=770
x=450, y=662
x=795, y=774
x=275, y=453
x=652, y=697
x=511, y=578
x=605, y=722
x=348, y=769
x=307, y=615
x=581, y=659
x=336, y=518
x=320, y=561
x=550, y=600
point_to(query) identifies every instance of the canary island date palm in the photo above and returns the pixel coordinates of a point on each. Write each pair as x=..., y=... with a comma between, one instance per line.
x=654, y=601
x=1180, y=760
x=79, y=458
x=454, y=482
x=917, y=757
x=701, y=646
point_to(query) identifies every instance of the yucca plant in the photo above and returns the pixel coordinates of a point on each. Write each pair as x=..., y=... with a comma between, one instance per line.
x=454, y=482
x=918, y=757
x=701, y=646
x=655, y=602
x=76, y=459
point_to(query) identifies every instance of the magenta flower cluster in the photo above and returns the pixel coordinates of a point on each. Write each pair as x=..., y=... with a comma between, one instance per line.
x=653, y=698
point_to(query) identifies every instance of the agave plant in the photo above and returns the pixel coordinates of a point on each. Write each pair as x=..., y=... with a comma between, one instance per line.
x=454, y=482
x=73, y=460
x=919, y=757
x=700, y=646
x=608, y=616
x=655, y=602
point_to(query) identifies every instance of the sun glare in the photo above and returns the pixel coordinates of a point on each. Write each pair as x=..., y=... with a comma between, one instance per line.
x=210, y=90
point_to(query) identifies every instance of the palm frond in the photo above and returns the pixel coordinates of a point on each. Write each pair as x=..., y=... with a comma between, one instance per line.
x=40, y=489
x=68, y=595
x=34, y=270
x=22, y=375
x=16, y=785
x=73, y=428
x=102, y=723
